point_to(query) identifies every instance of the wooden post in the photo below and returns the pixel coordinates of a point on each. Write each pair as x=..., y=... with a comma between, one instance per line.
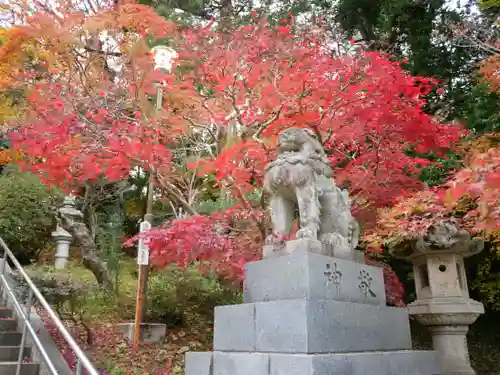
x=143, y=262
x=138, y=310
x=145, y=269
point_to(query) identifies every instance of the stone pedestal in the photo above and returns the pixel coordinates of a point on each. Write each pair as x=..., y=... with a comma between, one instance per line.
x=448, y=320
x=451, y=342
x=62, y=239
x=311, y=314
x=443, y=304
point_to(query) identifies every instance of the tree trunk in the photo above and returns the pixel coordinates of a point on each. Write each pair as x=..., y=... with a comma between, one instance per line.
x=226, y=14
x=89, y=251
x=226, y=9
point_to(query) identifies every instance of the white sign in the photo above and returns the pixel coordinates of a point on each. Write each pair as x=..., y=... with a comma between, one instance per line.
x=145, y=225
x=142, y=248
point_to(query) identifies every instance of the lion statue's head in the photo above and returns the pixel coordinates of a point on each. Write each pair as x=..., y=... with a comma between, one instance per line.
x=300, y=140
x=301, y=158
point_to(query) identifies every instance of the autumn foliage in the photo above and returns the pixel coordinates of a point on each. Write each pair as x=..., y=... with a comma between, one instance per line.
x=262, y=79
x=223, y=241
x=80, y=122
x=69, y=147
x=251, y=84
x=232, y=92
x=489, y=70
x=470, y=196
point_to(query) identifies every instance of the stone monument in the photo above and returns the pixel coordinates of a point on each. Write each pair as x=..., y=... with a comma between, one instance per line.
x=443, y=304
x=310, y=308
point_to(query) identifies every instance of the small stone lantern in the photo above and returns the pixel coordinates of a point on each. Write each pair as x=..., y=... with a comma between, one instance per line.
x=443, y=304
x=69, y=209
x=61, y=237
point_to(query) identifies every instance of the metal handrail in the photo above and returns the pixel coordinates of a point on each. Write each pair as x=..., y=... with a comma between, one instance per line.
x=82, y=360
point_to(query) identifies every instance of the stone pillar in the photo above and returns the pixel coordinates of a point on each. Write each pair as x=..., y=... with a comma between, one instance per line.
x=63, y=240
x=443, y=304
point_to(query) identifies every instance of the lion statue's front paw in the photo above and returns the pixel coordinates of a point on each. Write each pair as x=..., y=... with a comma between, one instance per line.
x=276, y=239
x=306, y=233
x=333, y=239
x=337, y=244
x=270, y=240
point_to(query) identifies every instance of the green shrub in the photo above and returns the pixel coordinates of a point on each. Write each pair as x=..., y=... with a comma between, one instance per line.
x=109, y=238
x=207, y=207
x=79, y=299
x=177, y=296
x=27, y=210
x=58, y=290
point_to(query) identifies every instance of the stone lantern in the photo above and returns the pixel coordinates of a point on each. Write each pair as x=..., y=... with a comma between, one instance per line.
x=69, y=209
x=443, y=304
x=61, y=237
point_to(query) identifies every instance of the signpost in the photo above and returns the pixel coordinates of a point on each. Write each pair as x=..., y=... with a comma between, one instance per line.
x=163, y=60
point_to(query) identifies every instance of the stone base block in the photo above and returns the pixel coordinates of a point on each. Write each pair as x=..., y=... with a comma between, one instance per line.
x=234, y=327
x=310, y=326
x=198, y=363
x=313, y=276
x=150, y=332
x=309, y=246
x=372, y=363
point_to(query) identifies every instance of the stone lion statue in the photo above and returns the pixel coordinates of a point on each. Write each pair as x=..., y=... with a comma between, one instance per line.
x=301, y=177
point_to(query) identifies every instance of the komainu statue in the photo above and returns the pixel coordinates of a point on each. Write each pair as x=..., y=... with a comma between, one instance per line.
x=301, y=177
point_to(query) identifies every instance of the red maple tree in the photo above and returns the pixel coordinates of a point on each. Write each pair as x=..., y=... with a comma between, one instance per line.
x=471, y=196
x=83, y=121
x=68, y=147
x=259, y=79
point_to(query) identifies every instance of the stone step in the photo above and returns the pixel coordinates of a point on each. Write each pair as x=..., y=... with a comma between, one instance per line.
x=9, y=368
x=10, y=339
x=7, y=325
x=310, y=326
x=371, y=363
x=5, y=313
x=11, y=353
